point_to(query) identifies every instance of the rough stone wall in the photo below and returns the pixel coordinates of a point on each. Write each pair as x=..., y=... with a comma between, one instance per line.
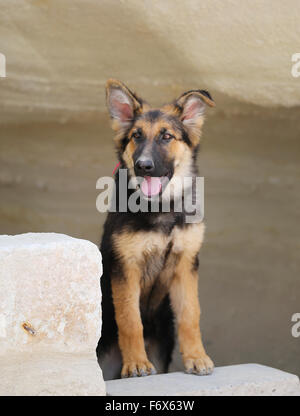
x=60, y=53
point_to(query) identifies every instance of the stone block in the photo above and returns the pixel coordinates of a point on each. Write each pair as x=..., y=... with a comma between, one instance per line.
x=50, y=315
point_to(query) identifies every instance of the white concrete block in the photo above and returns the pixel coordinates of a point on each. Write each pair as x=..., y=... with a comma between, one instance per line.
x=50, y=315
x=235, y=380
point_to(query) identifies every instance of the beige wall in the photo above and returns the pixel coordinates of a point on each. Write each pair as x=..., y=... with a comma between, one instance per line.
x=60, y=52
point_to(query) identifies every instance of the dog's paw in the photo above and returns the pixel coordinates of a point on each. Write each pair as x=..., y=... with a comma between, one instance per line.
x=137, y=369
x=201, y=365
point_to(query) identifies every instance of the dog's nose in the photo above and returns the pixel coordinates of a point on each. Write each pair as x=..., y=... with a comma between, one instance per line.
x=144, y=166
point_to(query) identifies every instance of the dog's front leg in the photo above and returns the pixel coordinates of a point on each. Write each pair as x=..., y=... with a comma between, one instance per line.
x=185, y=303
x=126, y=298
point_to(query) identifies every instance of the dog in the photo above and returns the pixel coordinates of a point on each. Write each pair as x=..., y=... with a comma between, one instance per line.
x=150, y=259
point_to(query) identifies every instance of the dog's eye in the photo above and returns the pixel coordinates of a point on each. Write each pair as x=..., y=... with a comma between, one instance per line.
x=167, y=137
x=136, y=135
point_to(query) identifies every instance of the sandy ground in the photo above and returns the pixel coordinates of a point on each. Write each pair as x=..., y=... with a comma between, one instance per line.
x=249, y=264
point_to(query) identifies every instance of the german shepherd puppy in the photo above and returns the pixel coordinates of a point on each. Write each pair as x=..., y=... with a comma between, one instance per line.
x=150, y=259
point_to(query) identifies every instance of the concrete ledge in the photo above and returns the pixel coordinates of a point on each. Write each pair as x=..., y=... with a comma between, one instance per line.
x=235, y=380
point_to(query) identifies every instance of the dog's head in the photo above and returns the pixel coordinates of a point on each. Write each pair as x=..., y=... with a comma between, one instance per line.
x=157, y=145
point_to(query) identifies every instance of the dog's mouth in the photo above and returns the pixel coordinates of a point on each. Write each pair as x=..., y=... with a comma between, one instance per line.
x=154, y=185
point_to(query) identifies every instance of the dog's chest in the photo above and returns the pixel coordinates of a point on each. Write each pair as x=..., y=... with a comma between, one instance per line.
x=159, y=256
x=157, y=263
x=157, y=253
x=161, y=253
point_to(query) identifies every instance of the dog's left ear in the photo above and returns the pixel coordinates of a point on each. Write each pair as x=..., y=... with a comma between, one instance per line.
x=190, y=108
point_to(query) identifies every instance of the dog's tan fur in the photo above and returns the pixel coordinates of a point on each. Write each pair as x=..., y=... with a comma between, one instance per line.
x=177, y=277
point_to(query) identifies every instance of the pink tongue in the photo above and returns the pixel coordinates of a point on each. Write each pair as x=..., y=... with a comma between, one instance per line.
x=151, y=186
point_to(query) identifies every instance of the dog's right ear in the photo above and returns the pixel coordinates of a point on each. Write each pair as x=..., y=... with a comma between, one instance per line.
x=123, y=105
